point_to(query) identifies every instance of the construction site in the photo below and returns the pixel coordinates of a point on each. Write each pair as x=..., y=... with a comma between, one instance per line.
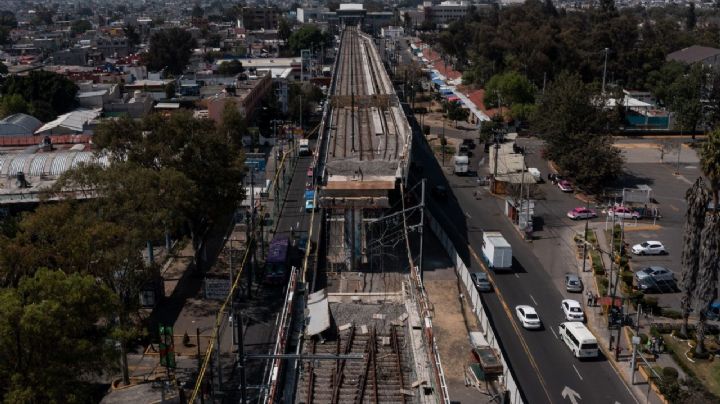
x=367, y=328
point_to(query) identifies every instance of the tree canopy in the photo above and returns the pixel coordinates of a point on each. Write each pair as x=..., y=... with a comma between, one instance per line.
x=52, y=337
x=80, y=26
x=575, y=125
x=231, y=68
x=49, y=94
x=307, y=37
x=170, y=49
x=541, y=42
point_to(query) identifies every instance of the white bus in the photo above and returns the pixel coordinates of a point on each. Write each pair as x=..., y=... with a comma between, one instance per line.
x=579, y=339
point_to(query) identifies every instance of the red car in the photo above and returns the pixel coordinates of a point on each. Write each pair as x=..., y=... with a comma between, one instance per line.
x=565, y=186
x=581, y=213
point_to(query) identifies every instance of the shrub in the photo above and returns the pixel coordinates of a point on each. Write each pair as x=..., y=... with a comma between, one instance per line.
x=669, y=374
x=669, y=313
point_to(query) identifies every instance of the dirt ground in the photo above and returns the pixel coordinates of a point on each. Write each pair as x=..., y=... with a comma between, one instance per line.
x=450, y=326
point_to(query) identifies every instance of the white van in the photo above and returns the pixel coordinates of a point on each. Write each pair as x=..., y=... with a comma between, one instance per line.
x=579, y=339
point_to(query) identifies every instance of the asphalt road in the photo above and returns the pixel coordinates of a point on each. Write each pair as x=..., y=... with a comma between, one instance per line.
x=262, y=309
x=543, y=366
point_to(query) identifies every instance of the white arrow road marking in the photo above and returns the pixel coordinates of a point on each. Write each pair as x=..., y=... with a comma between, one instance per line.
x=570, y=394
x=578, y=372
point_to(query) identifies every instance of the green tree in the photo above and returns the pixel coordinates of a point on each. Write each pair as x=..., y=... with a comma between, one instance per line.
x=690, y=17
x=52, y=337
x=48, y=94
x=685, y=100
x=197, y=11
x=697, y=198
x=455, y=112
x=13, y=104
x=191, y=146
x=7, y=19
x=710, y=163
x=284, y=29
x=231, y=68
x=170, y=90
x=132, y=35
x=576, y=129
x=80, y=26
x=233, y=126
x=509, y=89
x=170, y=49
x=307, y=37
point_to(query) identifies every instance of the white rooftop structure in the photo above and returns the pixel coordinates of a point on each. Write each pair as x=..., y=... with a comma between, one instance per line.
x=74, y=121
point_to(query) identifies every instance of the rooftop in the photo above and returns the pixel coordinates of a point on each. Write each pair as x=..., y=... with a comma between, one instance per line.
x=693, y=54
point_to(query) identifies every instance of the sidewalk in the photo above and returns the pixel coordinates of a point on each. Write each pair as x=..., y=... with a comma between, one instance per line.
x=598, y=324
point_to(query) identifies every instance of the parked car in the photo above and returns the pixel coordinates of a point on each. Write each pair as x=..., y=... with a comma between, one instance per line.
x=480, y=279
x=649, y=248
x=573, y=283
x=623, y=212
x=650, y=285
x=581, y=213
x=470, y=143
x=555, y=178
x=528, y=317
x=654, y=273
x=572, y=310
x=565, y=186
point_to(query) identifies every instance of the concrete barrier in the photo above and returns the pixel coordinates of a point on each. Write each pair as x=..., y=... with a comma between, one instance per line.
x=515, y=396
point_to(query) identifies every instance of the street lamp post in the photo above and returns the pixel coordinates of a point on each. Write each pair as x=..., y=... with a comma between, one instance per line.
x=605, y=70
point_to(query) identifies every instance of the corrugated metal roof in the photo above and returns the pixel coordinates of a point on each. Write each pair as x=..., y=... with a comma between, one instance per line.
x=18, y=125
x=74, y=120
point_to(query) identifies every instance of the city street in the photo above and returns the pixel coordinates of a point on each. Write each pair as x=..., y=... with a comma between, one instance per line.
x=544, y=367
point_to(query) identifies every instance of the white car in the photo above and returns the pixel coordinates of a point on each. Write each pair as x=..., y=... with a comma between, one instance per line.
x=572, y=310
x=649, y=248
x=528, y=317
x=622, y=212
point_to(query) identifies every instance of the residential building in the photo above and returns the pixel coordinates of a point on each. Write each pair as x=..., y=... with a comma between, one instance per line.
x=254, y=18
x=709, y=57
x=446, y=12
x=247, y=95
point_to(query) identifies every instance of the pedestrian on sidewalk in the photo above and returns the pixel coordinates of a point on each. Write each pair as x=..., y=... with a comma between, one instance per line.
x=589, y=298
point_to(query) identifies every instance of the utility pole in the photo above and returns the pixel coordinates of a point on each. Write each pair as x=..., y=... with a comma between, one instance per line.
x=241, y=362
x=251, y=243
x=422, y=225
x=612, y=248
x=233, y=319
x=587, y=220
x=604, y=70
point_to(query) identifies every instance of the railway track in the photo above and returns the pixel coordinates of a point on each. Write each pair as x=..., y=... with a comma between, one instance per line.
x=356, y=128
x=379, y=378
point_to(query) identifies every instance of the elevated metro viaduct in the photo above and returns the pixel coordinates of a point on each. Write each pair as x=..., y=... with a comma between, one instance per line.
x=363, y=156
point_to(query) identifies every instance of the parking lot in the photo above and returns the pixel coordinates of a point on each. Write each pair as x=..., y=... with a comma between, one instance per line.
x=643, y=166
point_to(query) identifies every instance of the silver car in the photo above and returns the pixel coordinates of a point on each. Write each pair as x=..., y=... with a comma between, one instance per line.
x=573, y=283
x=480, y=279
x=654, y=273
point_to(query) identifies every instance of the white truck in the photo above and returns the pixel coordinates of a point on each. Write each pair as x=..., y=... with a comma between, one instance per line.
x=496, y=251
x=461, y=164
x=535, y=174
x=304, y=147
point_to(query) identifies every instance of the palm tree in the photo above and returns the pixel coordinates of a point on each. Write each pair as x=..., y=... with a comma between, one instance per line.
x=710, y=163
x=697, y=198
x=706, y=287
x=707, y=278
